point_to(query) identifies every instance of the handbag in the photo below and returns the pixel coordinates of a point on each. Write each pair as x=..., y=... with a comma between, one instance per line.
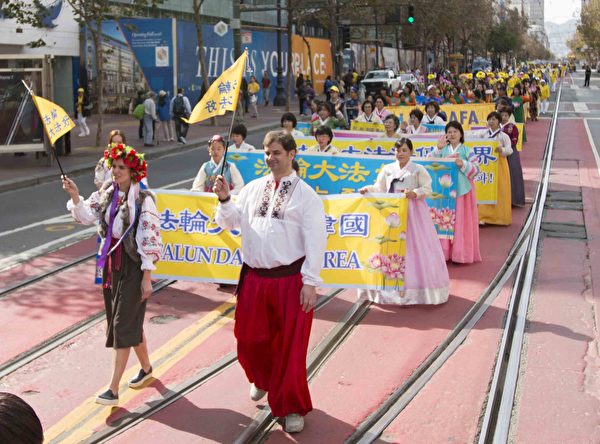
x=138, y=112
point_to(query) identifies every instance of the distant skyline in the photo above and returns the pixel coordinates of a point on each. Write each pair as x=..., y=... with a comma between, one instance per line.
x=560, y=11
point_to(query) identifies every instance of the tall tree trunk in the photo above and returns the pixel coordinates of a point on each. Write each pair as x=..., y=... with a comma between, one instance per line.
x=310, y=62
x=201, y=52
x=99, y=73
x=334, y=35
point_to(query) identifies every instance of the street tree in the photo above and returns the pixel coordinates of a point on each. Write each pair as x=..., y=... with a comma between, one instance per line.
x=588, y=27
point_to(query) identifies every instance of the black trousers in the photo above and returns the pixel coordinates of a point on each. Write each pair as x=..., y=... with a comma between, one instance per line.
x=181, y=128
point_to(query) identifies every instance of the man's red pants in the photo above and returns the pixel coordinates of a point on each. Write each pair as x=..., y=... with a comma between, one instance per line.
x=272, y=335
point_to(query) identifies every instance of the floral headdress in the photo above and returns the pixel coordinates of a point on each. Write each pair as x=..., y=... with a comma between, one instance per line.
x=132, y=159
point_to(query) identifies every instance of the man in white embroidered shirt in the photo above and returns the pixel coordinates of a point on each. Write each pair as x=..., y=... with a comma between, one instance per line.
x=282, y=222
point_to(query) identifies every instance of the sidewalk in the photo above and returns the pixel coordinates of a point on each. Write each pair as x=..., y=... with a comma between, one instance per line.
x=24, y=171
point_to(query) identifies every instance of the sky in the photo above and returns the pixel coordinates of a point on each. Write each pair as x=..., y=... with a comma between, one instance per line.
x=559, y=11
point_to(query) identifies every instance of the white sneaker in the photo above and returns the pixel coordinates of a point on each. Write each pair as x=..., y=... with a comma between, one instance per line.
x=81, y=134
x=87, y=131
x=256, y=394
x=182, y=140
x=294, y=423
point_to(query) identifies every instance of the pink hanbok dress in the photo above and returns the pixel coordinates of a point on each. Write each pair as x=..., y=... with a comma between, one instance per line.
x=426, y=279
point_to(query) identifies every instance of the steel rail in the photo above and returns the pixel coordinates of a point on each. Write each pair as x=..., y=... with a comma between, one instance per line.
x=374, y=425
x=65, y=335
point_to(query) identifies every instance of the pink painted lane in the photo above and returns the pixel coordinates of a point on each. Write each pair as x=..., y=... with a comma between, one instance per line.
x=219, y=410
x=392, y=342
x=46, y=262
x=561, y=363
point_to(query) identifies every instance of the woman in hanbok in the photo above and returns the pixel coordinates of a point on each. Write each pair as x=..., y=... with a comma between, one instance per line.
x=518, y=102
x=464, y=247
x=130, y=226
x=426, y=279
x=499, y=213
x=368, y=115
x=517, y=185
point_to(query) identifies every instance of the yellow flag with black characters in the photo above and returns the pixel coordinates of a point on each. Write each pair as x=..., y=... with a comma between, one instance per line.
x=56, y=121
x=223, y=93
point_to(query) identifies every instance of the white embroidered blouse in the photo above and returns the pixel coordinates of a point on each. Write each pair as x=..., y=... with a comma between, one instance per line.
x=148, y=239
x=279, y=225
x=413, y=177
x=498, y=135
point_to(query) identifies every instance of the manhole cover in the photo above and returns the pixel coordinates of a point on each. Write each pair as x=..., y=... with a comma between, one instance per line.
x=163, y=319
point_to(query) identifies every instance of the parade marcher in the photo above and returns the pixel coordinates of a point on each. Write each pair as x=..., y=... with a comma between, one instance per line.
x=149, y=118
x=554, y=78
x=130, y=227
x=380, y=110
x=180, y=108
x=544, y=97
x=207, y=174
x=83, y=110
x=518, y=102
x=368, y=115
x=413, y=126
x=426, y=279
x=238, y=136
x=517, y=185
x=164, y=117
x=288, y=123
x=253, y=90
x=499, y=213
x=102, y=172
x=266, y=86
x=324, y=137
x=326, y=117
x=464, y=247
x=391, y=124
x=432, y=116
x=277, y=286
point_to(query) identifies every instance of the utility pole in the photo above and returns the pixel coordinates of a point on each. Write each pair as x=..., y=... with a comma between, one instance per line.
x=236, y=25
x=280, y=98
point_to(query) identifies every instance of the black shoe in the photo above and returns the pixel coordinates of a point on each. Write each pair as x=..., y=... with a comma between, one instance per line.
x=107, y=398
x=141, y=377
x=148, y=144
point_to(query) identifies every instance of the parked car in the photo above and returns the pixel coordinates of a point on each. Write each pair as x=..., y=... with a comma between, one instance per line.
x=408, y=78
x=380, y=78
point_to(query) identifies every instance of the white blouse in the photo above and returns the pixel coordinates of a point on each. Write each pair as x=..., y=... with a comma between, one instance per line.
x=413, y=177
x=279, y=226
x=148, y=239
x=436, y=120
x=500, y=136
x=373, y=118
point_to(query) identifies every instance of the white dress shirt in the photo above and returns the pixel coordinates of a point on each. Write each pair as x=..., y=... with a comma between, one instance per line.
x=279, y=226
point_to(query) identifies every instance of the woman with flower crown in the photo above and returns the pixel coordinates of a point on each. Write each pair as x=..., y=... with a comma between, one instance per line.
x=426, y=279
x=129, y=225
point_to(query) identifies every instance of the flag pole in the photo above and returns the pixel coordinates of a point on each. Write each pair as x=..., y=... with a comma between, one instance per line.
x=52, y=149
x=231, y=127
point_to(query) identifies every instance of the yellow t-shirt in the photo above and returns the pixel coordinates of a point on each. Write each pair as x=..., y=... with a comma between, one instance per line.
x=253, y=88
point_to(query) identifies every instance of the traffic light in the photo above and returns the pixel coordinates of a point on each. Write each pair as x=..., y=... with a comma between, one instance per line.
x=411, y=14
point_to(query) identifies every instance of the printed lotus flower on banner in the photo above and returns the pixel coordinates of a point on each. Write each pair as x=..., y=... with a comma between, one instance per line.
x=445, y=181
x=393, y=220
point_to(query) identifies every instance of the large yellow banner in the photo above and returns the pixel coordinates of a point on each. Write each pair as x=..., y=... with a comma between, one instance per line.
x=485, y=183
x=312, y=53
x=366, y=241
x=367, y=126
x=469, y=115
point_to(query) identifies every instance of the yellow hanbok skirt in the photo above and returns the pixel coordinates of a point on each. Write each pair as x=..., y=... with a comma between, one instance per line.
x=501, y=212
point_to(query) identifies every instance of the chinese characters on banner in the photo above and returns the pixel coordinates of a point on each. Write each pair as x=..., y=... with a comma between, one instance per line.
x=55, y=119
x=366, y=241
x=347, y=174
x=485, y=182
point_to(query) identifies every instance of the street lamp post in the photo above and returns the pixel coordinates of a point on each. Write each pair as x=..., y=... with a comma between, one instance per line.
x=279, y=99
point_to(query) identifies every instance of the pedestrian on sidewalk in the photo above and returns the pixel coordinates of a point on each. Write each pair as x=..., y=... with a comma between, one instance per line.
x=164, y=117
x=130, y=226
x=253, y=90
x=266, y=86
x=83, y=109
x=139, y=100
x=244, y=91
x=300, y=91
x=180, y=108
x=149, y=118
x=277, y=285
x=588, y=75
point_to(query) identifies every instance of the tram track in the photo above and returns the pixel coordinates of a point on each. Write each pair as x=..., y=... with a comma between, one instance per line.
x=521, y=260
x=64, y=336
x=317, y=356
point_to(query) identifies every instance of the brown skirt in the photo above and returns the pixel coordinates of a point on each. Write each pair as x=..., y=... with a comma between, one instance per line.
x=125, y=309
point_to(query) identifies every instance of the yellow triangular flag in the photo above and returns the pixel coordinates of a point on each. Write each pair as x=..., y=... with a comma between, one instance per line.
x=55, y=119
x=222, y=95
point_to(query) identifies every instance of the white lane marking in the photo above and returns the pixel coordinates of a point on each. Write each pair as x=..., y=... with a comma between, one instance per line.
x=580, y=107
x=592, y=144
x=65, y=241
x=574, y=86
x=594, y=87
x=53, y=220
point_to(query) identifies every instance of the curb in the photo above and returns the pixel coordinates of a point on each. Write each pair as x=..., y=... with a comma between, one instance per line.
x=76, y=170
